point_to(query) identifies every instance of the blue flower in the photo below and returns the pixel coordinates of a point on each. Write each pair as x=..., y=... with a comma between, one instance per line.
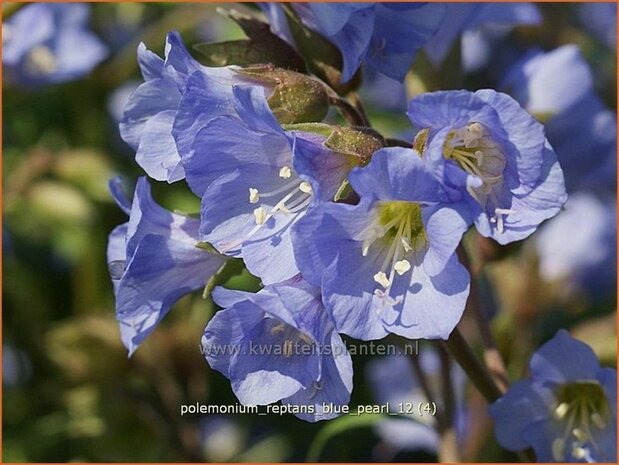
x=579, y=247
x=486, y=148
x=600, y=19
x=47, y=43
x=388, y=263
x=154, y=260
x=463, y=18
x=566, y=411
x=578, y=125
x=241, y=164
x=151, y=110
x=385, y=35
x=280, y=344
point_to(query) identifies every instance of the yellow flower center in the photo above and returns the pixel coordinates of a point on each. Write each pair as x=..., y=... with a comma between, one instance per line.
x=582, y=407
x=399, y=233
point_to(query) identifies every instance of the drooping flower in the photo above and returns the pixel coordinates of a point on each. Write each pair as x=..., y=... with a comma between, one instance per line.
x=150, y=112
x=468, y=19
x=47, y=43
x=154, y=259
x=487, y=148
x=578, y=125
x=387, y=264
x=385, y=35
x=280, y=344
x=566, y=411
x=579, y=247
x=241, y=164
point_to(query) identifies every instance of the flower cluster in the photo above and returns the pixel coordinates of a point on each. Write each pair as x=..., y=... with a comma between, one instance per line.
x=48, y=43
x=347, y=235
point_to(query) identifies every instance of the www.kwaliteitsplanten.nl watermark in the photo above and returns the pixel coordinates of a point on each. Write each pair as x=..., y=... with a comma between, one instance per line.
x=289, y=348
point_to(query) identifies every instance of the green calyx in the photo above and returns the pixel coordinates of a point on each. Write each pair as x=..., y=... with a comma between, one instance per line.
x=357, y=142
x=296, y=97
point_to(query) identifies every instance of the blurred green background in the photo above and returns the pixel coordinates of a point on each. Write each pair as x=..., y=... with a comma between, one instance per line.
x=70, y=393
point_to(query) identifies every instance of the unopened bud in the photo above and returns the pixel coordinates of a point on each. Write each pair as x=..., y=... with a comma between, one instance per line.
x=296, y=97
x=358, y=142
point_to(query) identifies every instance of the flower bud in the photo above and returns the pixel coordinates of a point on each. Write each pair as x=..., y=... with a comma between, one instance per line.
x=358, y=142
x=296, y=97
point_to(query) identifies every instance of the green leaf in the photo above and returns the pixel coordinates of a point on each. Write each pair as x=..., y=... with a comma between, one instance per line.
x=261, y=46
x=323, y=58
x=338, y=426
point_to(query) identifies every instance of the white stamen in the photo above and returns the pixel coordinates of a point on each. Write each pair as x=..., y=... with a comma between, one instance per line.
x=277, y=329
x=381, y=278
x=580, y=434
x=561, y=410
x=402, y=266
x=579, y=452
x=285, y=172
x=260, y=214
x=471, y=135
x=254, y=196
x=305, y=187
x=498, y=218
x=597, y=420
x=305, y=338
x=406, y=245
x=558, y=449
x=41, y=60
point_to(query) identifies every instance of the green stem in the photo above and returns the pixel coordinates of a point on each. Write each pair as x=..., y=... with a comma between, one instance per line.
x=348, y=111
x=477, y=373
x=492, y=357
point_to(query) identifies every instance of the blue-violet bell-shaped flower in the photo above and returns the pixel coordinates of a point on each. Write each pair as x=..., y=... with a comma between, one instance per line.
x=566, y=411
x=252, y=186
x=280, y=344
x=387, y=264
x=580, y=128
x=47, y=43
x=486, y=148
x=151, y=110
x=385, y=35
x=466, y=17
x=154, y=260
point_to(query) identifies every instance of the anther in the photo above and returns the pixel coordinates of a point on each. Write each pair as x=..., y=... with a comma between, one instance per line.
x=580, y=434
x=285, y=172
x=381, y=278
x=597, y=420
x=305, y=187
x=254, y=196
x=41, y=60
x=277, y=329
x=558, y=449
x=561, y=410
x=402, y=266
x=260, y=215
